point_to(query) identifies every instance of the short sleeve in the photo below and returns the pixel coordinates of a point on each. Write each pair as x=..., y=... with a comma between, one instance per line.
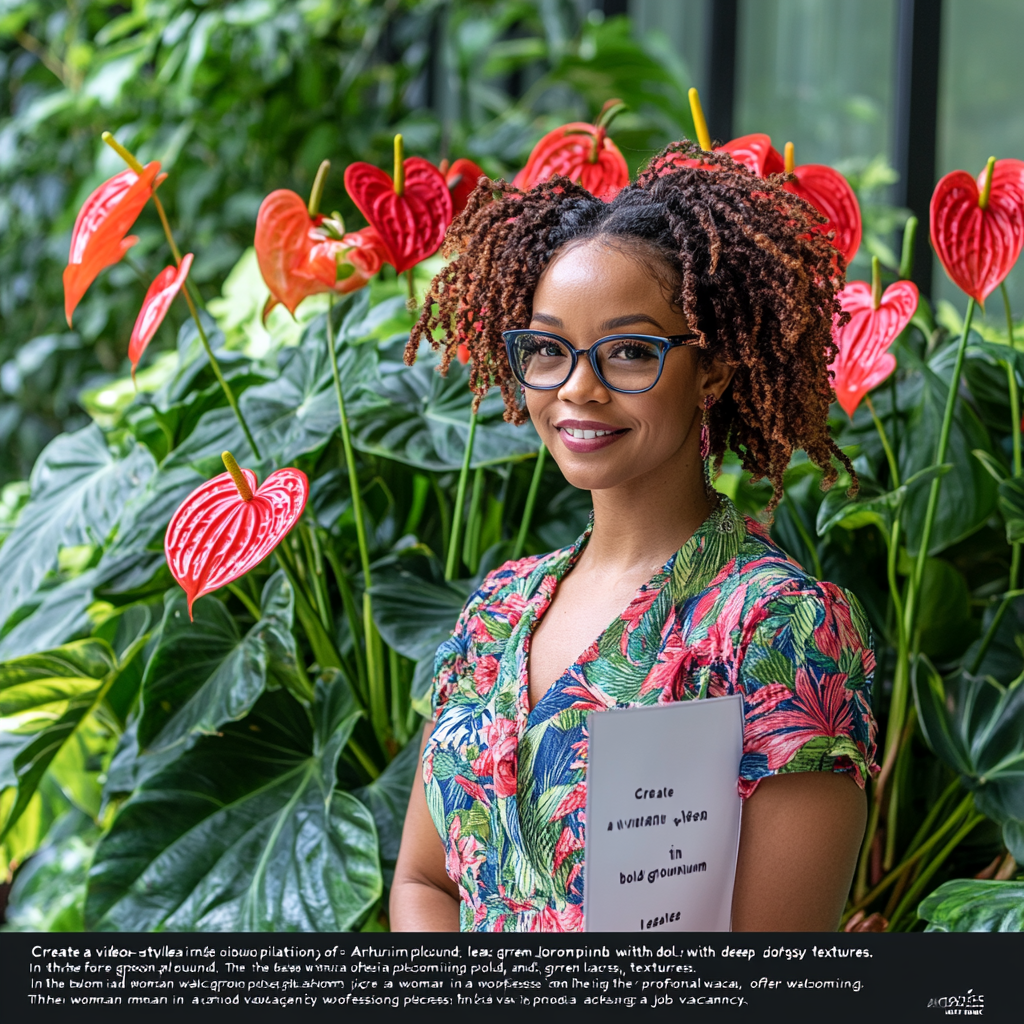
x=805, y=677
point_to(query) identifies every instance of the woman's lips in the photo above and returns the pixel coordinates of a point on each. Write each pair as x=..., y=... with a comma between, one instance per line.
x=586, y=436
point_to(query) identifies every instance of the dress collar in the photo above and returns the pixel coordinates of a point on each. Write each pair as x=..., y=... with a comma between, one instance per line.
x=713, y=544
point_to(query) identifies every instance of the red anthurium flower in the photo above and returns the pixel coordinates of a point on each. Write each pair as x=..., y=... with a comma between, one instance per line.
x=158, y=300
x=755, y=152
x=978, y=243
x=830, y=194
x=228, y=526
x=461, y=179
x=298, y=259
x=824, y=188
x=410, y=211
x=864, y=361
x=98, y=238
x=582, y=152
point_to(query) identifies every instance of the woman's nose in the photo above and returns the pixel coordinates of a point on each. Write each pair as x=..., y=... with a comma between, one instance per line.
x=583, y=384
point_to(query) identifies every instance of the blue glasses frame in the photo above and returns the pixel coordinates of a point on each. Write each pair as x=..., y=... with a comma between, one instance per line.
x=663, y=344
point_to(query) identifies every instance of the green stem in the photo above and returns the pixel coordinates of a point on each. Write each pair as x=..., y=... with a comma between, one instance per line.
x=471, y=546
x=912, y=858
x=352, y=614
x=1012, y=380
x=250, y=606
x=915, y=890
x=350, y=459
x=940, y=458
x=374, y=668
x=531, y=500
x=892, y=812
x=451, y=563
x=901, y=687
x=894, y=471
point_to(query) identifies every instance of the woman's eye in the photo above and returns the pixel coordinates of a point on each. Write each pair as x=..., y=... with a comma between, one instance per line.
x=633, y=350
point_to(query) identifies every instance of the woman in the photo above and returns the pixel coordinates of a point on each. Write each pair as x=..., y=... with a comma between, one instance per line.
x=692, y=313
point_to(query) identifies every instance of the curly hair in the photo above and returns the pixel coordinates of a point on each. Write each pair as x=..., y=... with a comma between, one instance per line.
x=747, y=263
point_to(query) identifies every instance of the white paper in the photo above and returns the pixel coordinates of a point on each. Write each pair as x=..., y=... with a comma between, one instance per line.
x=663, y=816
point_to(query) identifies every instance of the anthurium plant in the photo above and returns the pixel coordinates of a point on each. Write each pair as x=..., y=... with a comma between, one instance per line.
x=222, y=598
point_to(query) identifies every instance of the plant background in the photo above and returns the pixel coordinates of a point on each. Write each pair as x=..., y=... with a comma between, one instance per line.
x=236, y=98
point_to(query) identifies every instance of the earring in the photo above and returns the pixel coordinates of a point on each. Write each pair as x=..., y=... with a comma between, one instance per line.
x=705, y=434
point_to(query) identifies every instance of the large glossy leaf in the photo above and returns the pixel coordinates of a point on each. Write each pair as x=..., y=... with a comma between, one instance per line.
x=245, y=831
x=414, y=615
x=1011, y=505
x=976, y=726
x=423, y=419
x=388, y=797
x=872, y=506
x=967, y=494
x=204, y=673
x=132, y=566
x=944, y=612
x=79, y=488
x=48, y=894
x=293, y=414
x=44, y=700
x=972, y=905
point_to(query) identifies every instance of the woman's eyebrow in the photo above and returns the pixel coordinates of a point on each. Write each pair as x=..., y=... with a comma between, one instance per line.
x=546, y=318
x=632, y=318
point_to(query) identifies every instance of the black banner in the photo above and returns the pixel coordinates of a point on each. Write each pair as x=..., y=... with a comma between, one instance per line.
x=206, y=976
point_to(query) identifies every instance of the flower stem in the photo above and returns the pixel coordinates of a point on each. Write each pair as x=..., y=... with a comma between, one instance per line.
x=451, y=563
x=1011, y=379
x=894, y=471
x=130, y=159
x=531, y=500
x=374, y=665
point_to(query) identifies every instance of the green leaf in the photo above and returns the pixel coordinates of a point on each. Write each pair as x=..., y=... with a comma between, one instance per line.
x=422, y=418
x=944, y=614
x=869, y=508
x=244, y=832
x=45, y=698
x=79, y=489
x=967, y=495
x=415, y=615
x=289, y=416
x=388, y=797
x=1011, y=505
x=973, y=905
x=204, y=673
x=976, y=726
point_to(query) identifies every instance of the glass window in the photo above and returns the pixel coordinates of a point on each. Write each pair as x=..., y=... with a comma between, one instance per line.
x=981, y=109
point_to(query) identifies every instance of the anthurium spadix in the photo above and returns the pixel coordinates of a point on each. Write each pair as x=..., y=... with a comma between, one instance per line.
x=228, y=525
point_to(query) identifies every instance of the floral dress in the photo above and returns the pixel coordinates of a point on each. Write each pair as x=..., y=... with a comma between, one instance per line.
x=728, y=613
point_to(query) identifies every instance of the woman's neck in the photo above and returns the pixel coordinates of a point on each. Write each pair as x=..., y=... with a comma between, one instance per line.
x=642, y=523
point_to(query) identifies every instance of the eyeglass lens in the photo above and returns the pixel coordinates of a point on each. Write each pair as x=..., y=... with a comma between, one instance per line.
x=630, y=364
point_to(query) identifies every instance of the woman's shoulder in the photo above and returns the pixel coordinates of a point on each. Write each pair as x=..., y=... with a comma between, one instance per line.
x=516, y=578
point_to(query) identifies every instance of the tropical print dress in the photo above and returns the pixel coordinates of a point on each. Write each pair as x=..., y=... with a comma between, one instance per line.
x=728, y=613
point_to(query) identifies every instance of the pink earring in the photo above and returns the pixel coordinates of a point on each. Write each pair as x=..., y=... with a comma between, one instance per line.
x=705, y=434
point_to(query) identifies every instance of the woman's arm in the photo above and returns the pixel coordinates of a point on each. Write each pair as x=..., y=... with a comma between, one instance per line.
x=799, y=841
x=423, y=897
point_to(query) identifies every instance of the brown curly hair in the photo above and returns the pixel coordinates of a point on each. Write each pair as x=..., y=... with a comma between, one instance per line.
x=747, y=263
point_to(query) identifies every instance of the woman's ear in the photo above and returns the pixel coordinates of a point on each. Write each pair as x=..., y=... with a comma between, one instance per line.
x=717, y=378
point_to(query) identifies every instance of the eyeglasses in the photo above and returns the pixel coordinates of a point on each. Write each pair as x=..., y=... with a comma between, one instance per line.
x=627, y=363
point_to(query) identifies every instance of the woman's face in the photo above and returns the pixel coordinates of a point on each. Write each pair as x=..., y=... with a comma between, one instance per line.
x=586, y=293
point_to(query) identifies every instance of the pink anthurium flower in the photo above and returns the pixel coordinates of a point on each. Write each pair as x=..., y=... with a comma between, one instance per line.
x=99, y=235
x=864, y=361
x=977, y=226
x=228, y=525
x=158, y=300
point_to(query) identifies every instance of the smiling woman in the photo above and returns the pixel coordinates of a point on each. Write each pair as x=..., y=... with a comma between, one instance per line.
x=691, y=313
